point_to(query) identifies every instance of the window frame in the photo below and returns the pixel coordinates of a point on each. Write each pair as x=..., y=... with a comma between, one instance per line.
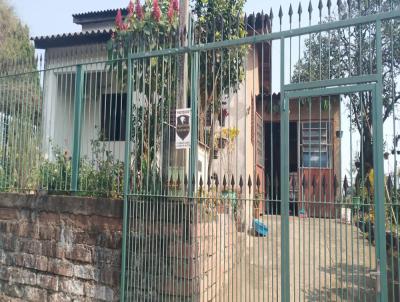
x=317, y=143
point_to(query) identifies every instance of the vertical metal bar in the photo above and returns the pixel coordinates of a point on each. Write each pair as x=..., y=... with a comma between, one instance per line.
x=126, y=178
x=285, y=274
x=77, y=127
x=193, y=137
x=379, y=195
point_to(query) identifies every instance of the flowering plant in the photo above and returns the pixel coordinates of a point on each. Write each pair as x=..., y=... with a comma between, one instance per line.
x=146, y=26
x=228, y=135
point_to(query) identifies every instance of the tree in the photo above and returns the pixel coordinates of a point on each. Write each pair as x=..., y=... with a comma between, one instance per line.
x=20, y=102
x=350, y=52
x=221, y=71
x=14, y=36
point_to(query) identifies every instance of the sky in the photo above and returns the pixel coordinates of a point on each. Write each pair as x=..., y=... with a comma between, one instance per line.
x=45, y=17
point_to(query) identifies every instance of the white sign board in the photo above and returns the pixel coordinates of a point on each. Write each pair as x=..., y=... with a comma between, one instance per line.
x=182, y=137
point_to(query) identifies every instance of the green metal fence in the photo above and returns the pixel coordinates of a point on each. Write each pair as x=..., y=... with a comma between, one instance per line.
x=287, y=184
x=193, y=229
x=63, y=127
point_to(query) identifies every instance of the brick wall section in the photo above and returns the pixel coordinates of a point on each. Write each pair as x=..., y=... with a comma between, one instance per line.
x=58, y=248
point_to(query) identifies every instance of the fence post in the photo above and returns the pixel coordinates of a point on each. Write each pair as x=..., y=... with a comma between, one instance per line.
x=194, y=141
x=76, y=148
x=379, y=195
x=284, y=142
x=127, y=166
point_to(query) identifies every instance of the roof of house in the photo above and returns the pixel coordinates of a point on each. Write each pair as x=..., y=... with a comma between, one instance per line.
x=97, y=16
x=102, y=36
x=72, y=39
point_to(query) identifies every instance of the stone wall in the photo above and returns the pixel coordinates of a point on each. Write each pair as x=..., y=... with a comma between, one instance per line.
x=58, y=248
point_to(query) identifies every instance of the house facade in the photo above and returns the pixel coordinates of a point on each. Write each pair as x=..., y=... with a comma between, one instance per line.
x=251, y=156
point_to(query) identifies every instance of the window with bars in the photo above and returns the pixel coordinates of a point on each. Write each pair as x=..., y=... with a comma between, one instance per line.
x=315, y=144
x=113, y=112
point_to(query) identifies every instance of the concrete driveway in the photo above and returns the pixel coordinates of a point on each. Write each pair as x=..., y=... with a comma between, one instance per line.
x=329, y=261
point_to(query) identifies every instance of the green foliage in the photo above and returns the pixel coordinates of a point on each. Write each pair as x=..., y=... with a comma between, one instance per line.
x=102, y=176
x=99, y=177
x=14, y=36
x=19, y=151
x=55, y=175
x=221, y=71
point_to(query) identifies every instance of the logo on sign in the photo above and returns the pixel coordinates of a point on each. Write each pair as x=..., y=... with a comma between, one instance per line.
x=182, y=128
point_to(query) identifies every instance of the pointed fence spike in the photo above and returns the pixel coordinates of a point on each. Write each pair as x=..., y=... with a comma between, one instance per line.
x=249, y=184
x=178, y=182
x=254, y=23
x=320, y=6
x=193, y=180
x=258, y=183
x=345, y=185
x=201, y=186
x=276, y=182
x=339, y=5
x=323, y=184
x=310, y=9
x=294, y=184
x=262, y=21
x=171, y=182
x=389, y=183
x=209, y=183
x=329, y=5
x=314, y=183
x=216, y=181
x=304, y=182
x=232, y=183
x=335, y=185
x=271, y=14
x=290, y=13
x=185, y=182
x=241, y=184
x=300, y=11
x=224, y=183
x=280, y=15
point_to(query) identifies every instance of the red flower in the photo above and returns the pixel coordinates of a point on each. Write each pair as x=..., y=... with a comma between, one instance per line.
x=131, y=8
x=118, y=20
x=170, y=13
x=175, y=5
x=139, y=10
x=156, y=11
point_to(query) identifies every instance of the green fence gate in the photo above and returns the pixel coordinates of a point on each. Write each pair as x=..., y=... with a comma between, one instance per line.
x=248, y=194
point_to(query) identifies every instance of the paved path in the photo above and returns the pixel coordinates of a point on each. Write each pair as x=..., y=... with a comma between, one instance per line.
x=329, y=261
